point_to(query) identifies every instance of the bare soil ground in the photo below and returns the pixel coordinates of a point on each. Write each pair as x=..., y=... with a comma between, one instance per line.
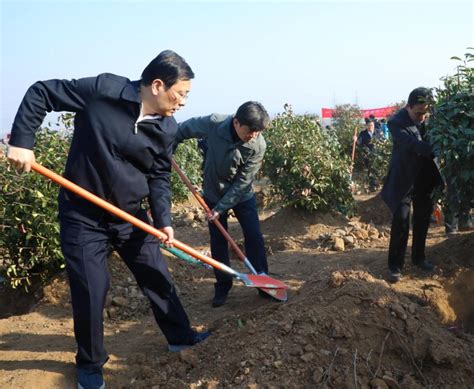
x=343, y=326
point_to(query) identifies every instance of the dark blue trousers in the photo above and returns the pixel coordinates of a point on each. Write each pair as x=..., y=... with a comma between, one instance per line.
x=86, y=245
x=422, y=209
x=247, y=215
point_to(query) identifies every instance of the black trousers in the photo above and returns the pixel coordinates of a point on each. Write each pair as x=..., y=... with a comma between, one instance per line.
x=422, y=209
x=86, y=245
x=247, y=215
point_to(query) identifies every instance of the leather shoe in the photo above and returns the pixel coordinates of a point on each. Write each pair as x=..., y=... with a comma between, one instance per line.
x=90, y=379
x=424, y=265
x=219, y=300
x=394, y=276
x=198, y=337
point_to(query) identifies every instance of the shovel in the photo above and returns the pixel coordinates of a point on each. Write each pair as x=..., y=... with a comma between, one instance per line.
x=353, y=158
x=182, y=255
x=250, y=280
x=277, y=293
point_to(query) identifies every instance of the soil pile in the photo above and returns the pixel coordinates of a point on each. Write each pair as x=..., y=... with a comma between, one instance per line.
x=352, y=330
x=344, y=326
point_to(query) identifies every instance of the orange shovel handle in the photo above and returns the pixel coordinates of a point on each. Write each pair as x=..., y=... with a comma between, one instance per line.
x=127, y=217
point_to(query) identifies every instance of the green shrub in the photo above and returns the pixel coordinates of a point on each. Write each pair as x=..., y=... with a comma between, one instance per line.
x=305, y=164
x=29, y=227
x=346, y=119
x=189, y=159
x=381, y=158
x=451, y=131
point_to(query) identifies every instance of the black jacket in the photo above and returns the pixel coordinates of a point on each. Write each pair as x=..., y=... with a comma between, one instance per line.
x=111, y=155
x=411, y=162
x=365, y=140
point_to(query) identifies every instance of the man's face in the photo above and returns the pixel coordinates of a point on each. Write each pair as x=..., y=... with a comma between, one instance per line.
x=370, y=126
x=167, y=101
x=418, y=113
x=244, y=132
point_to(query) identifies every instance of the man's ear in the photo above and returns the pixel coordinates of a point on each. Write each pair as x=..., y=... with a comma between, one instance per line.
x=157, y=85
x=236, y=122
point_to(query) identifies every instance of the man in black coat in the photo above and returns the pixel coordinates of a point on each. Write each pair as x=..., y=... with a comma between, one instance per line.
x=121, y=151
x=412, y=177
x=364, y=141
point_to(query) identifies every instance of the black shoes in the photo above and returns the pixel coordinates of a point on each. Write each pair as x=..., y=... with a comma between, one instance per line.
x=90, y=379
x=219, y=300
x=424, y=265
x=394, y=276
x=198, y=337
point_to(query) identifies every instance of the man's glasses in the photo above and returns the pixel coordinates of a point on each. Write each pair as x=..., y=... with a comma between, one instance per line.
x=178, y=96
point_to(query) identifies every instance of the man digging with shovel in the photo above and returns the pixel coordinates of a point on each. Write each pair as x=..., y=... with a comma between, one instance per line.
x=235, y=150
x=121, y=151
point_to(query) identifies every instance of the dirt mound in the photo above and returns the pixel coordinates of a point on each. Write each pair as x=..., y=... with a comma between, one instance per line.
x=454, y=252
x=456, y=257
x=372, y=209
x=295, y=221
x=350, y=331
x=344, y=326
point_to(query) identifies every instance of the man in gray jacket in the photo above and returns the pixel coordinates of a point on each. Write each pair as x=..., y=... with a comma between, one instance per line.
x=234, y=153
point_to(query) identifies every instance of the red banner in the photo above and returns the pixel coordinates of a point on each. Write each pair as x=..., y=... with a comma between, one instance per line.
x=326, y=113
x=377, y=112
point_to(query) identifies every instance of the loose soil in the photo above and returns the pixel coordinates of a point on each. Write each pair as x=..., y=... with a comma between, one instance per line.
x=343, y=326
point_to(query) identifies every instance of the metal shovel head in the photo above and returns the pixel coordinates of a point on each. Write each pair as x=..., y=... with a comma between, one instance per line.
x=261, y=281
x=277, y=293
x=274, y=288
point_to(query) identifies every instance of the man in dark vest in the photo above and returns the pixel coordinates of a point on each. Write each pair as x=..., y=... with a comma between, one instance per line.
x=412, y=177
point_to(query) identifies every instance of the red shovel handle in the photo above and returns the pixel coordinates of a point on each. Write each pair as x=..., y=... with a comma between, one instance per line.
x=201, y=201
x=126, y=216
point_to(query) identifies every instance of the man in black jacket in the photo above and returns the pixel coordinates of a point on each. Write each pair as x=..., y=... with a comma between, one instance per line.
x=364, y=141
x=412, y=176
x=121, y=151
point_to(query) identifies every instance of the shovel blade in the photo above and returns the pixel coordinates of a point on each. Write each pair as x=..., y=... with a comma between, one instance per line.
x=266, y=284
x=263, y=281
x=277, y=293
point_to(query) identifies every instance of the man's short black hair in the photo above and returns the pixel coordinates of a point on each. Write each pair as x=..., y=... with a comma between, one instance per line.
x=168, y=67
x=420, y=95
x=253, y=115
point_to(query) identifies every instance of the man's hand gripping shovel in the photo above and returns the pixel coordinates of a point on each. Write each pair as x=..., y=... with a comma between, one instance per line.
x=254, y=281
x=277, y=293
